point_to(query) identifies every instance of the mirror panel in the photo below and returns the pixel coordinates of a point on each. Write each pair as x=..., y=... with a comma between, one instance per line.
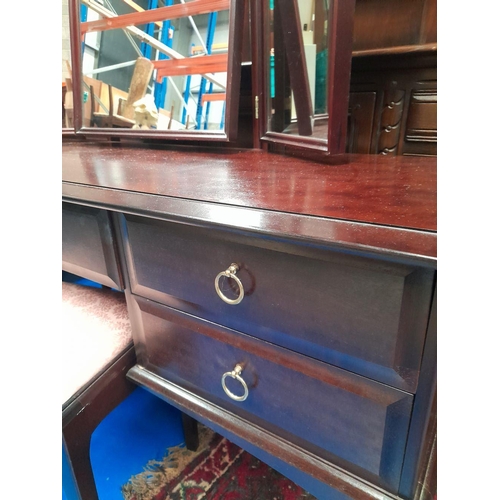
x=367, y=86
x=160, y=67
x=298, y=67
x=66, y=77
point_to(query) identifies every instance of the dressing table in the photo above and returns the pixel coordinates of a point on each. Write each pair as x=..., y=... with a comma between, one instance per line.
x=326, y=368
x=285, y=295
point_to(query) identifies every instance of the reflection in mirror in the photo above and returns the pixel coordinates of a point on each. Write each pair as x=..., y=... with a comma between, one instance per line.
x=155, y=64
x=67, y=88
x=298, y=57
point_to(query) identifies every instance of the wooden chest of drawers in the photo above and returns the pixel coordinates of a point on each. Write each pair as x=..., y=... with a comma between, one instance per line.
x=325, y=366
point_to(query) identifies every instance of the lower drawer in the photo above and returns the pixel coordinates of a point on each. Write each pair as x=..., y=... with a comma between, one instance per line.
x=344, y=418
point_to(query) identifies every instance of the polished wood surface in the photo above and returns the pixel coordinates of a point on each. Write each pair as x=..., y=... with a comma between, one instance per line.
x=340, y=36
x=89, y=246
x=393, y=23
x=358, y=208
x=321, y=478
x=399, y=192
x=83, y=413
x=393, y=105
x=346, y=419
x=361, y=314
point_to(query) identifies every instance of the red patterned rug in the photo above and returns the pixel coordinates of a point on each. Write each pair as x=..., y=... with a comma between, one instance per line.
x=219, y=470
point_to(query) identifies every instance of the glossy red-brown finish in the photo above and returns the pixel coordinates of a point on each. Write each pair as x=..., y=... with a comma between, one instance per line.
x=82, y=414
x=399, y=191
x=88, y=245
x=355, y=205
x=369, y=317
x=339, y=71
x=347, y=420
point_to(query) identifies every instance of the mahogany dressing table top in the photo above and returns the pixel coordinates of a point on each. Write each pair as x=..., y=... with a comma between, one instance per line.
x=386, y=205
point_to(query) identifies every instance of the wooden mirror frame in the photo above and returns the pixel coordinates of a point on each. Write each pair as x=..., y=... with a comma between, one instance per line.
x=236, y=19
x=66, y=131
x=340, y=40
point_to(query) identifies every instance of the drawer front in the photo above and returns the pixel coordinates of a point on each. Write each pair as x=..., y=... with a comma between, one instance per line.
x=357, y=313
x=346, y=419
x=88, y=247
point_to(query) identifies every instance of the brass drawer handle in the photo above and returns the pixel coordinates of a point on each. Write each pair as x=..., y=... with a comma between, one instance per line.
x=236, y=375
x=230, y=273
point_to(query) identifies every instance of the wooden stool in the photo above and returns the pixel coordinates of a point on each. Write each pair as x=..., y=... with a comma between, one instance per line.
x=97, y=353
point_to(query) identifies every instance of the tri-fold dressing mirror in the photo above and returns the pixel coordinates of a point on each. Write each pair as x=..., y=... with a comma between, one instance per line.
x=156, y=68
x=171, y=69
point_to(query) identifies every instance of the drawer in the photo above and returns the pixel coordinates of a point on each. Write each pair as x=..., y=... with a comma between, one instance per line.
x=343, y=418
x=360, y=314
x=88, y=247
x=421, y=124
x=422, y=116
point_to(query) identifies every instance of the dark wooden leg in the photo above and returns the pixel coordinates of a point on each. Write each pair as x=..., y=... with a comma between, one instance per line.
x=84, y=414
x=190, y=426
x=78, y=447
x=70, y=486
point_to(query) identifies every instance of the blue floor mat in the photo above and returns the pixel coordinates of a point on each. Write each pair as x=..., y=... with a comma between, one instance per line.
x=141, y=428
x=73, y=278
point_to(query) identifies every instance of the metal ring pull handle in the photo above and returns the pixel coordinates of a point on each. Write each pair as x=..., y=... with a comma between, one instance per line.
x=230, y=273
x=236, y=375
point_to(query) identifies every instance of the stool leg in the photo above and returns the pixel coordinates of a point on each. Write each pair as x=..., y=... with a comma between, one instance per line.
x=69, y=485
x=87, y=412
x=190, y=427
x=78, y=447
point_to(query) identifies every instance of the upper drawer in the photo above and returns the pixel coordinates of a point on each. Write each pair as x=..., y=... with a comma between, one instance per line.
x=88, y=247
x=363, y=315
x=349, y=420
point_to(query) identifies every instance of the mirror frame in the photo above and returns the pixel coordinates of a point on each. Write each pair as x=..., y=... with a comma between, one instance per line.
x=69, y=131
x=236, y=19
x=340, y=42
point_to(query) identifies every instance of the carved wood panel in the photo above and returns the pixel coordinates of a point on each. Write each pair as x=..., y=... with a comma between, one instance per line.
x=396, y=99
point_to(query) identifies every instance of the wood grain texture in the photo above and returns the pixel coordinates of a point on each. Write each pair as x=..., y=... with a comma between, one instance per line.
x=333, y=483
x=87, y=409
x=405, y=112
x=364, y=315
x=340, y=44
x=138, y=86
x=399, y=192
x=387, y=23
x=88, y=245
x=360, y=121
x=345, y=419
